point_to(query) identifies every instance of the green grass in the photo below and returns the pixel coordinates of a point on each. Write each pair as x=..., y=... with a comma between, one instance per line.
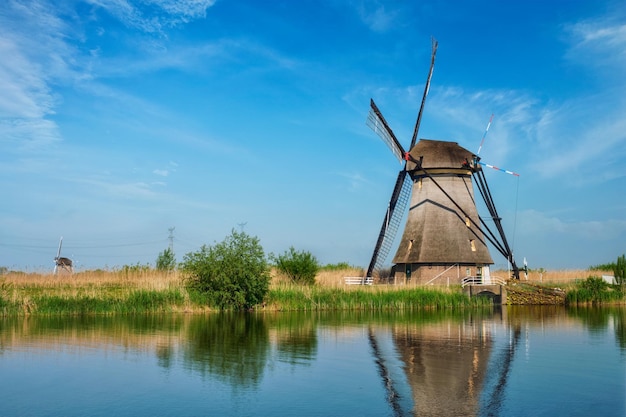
x=136, y=301
x=114, y=299
x=293, y=298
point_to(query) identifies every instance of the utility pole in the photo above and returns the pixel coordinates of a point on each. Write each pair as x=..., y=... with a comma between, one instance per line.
x=241, y=226
x=171, y=238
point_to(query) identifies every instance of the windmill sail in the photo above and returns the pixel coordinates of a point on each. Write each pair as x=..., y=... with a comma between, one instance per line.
x=402, y=189
x=426, y=90
x=56, y=259
x=378, y=124
x=397, y=204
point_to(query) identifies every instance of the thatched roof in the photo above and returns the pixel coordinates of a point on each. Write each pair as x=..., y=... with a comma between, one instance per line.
x=437, y=154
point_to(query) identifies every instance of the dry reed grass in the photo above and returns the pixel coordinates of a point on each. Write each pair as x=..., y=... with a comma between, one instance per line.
x=146, y=280
x=565, y=276
x=92, y=281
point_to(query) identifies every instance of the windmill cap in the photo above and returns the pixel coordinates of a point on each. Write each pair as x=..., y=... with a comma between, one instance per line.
x=440, y=154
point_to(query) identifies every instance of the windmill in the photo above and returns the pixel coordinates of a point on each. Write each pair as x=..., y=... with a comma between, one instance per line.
x=64, y=263
x=443, y=229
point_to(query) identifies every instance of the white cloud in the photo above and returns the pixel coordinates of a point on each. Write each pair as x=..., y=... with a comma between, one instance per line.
x=376, y=16
x=355, y=180
x=127, y=190
x=153, y=16
x=34, y=55
x=161, y=172
x=598, y=43
x=538, y=224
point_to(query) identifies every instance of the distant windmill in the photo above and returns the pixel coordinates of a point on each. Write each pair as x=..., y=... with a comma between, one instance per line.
x=64, y=263
x=443, y=229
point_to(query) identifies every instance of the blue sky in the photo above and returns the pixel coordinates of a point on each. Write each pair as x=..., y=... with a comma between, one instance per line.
x=120, y=119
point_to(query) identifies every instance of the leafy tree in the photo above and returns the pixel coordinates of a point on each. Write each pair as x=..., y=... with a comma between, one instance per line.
x=300, y=267
x=619, y=271
x=166, y=261
x=231, y=274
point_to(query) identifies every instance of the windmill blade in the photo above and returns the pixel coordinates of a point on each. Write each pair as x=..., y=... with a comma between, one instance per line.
x=485, y=134
x=378, y=124
x=499, y=169
x=59, y=250
x=56, y=260
x=426, y=89
x=399, y=199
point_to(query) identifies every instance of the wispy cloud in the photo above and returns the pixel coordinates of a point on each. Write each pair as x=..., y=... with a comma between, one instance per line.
x=34, y=56
x=593, y=125
x=536, y=223
x=42, y=51
x=377, y=15
x=604, y=40
x=125, y=190
x=154, y=16
x=355, y=180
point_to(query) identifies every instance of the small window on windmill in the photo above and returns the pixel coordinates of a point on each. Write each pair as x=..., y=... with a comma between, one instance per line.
x=472, y=245
x=410, y=244
x=419, y=183
x=467, y=222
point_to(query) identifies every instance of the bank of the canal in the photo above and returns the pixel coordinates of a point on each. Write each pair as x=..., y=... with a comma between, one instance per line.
x=45, y=295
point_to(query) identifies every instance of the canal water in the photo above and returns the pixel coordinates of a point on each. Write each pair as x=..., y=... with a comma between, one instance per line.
x=531, y=361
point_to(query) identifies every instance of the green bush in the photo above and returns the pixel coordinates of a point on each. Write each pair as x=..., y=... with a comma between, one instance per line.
x=595, y=285
x=594, y=290
x=300, y=266
x=166, y=261
x=233, y=274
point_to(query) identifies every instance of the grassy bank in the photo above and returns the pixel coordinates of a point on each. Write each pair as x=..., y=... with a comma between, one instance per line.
x=123, y=292
x=149, y=291
x=97, y=292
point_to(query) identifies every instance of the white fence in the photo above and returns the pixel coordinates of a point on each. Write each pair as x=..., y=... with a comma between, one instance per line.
x=481, y=281
x=358, y=280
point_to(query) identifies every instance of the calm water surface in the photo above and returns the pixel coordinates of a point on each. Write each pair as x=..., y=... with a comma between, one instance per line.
x=511, y=362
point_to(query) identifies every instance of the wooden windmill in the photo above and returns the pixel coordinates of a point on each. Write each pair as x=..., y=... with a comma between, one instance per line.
x=59, y=261
x=443, y=229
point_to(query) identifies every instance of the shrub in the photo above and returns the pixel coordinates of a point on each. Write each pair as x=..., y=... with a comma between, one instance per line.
x=300, y=267
x=595, y=285
x=166, y=261
x=593, y=290
x=233, y=274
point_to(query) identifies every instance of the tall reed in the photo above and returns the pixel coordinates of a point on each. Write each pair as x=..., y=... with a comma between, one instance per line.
x=290, y=297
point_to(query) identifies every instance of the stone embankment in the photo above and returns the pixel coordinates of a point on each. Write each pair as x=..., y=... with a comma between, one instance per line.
x=525, y=293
